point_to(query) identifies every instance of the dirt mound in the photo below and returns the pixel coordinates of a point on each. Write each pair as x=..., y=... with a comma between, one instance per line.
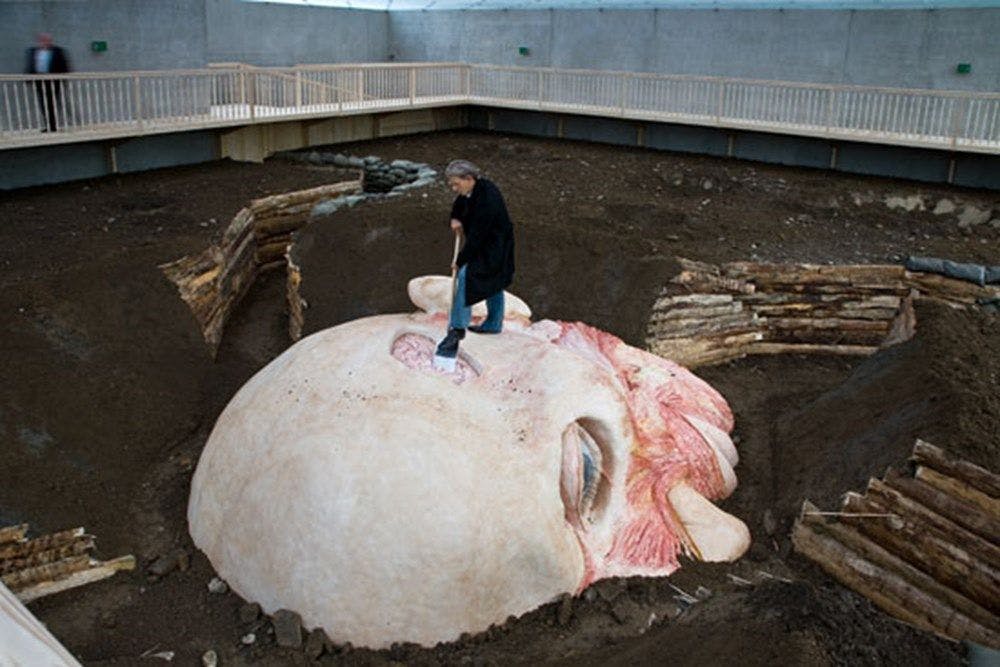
x=940, y=386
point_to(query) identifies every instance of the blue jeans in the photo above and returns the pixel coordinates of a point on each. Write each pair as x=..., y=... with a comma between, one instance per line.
x=461, y=312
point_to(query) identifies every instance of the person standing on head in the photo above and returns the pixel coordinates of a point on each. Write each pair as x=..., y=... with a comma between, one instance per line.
x=47, y=58
x=485, y=265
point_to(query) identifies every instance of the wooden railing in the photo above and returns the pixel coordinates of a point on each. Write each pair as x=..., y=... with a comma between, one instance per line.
x=89, y=106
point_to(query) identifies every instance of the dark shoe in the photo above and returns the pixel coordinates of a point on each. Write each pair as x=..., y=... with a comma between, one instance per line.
x=449, y=346
x=478, y=328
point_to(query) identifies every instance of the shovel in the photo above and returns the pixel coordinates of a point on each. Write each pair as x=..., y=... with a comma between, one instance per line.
x=446, y=361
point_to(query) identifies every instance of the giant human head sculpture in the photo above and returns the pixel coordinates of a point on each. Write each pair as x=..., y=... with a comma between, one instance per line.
x=387, y=502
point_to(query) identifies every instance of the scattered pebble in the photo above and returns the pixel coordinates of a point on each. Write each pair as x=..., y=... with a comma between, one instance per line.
x=316, y=644
x=248, y=638
x=209, y=659
x=287, y=628
x=178, y=559
x=217, y=585
x=564, y=613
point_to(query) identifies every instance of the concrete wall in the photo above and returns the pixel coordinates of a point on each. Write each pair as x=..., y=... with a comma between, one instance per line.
x=908, y=48
x=172, y=34
x=272, y=34
x=935, y=166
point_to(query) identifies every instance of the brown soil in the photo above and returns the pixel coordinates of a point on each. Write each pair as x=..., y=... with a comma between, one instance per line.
x=110, y=392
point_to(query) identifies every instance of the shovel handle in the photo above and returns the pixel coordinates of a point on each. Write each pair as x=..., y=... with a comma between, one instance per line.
x=454, y=255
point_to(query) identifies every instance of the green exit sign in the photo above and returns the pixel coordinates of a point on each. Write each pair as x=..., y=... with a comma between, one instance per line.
x=99, y=47
x=524, y=51
x=963, y=68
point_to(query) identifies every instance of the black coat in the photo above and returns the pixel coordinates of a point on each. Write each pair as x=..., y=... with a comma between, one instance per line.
x=58, y=65
x=489, y=241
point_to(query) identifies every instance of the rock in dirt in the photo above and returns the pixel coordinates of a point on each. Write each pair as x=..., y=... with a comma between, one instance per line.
x=316, y=643
x=178, y=559
x=908, y=204
x=972, y=216
x=248, y=639
x=217, y=586
x=564, y=613
x=287, y=628
x=770, y=523
x=944, y=207
x=249, y=612
x=209, y=659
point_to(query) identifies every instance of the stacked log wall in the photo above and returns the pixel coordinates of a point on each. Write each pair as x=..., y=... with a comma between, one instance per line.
x=923, y=547
x=214, y=281
x=33, y=568
x=714, y=313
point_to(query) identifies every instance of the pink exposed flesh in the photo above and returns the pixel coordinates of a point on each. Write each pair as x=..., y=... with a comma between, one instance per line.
x=668, y=450
x=416, y=351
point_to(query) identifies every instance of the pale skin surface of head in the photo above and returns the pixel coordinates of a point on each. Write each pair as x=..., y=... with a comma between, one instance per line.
x=385, y=501
x=44, y=40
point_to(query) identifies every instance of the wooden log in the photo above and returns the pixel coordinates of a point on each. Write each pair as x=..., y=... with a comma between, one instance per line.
x=677, y=300
x=927, y=549
x=767, y=347
x=701, y=281
x=698, y=329
x=266, y=205
x=893, y=289
x=959, y=489
x=797, y=323
x=954, y=509
x=278, y=225
x=943, y=287
x=272, y=252
x=957, y=617
x=897, y=503
x=683, y=311
x=47, y=572
x=695, y=266
x=22, y=549
x=885, y=587
x=81, y=546
x=96, y=572
x=824, y=337
x=13, y=533
x=240, y=226
x=979, y=478
x=700, y=352
x=821, y=311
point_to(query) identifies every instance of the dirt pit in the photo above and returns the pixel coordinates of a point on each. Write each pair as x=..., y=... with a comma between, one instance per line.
x=110, y=393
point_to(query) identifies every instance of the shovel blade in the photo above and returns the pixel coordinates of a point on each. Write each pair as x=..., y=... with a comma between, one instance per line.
x=446, y=364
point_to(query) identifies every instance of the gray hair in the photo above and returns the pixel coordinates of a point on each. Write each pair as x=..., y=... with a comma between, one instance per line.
x=461, y=169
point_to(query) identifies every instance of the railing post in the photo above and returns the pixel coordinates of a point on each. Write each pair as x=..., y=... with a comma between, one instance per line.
x=467, y=81
x=243, y=87
x=541, y=87
x=298, y=89
x=137, y=96
x=831, y=97
x=625, y=78
x=958, y=118
x=721, y=103
x=413, y=85
x=252, y=95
